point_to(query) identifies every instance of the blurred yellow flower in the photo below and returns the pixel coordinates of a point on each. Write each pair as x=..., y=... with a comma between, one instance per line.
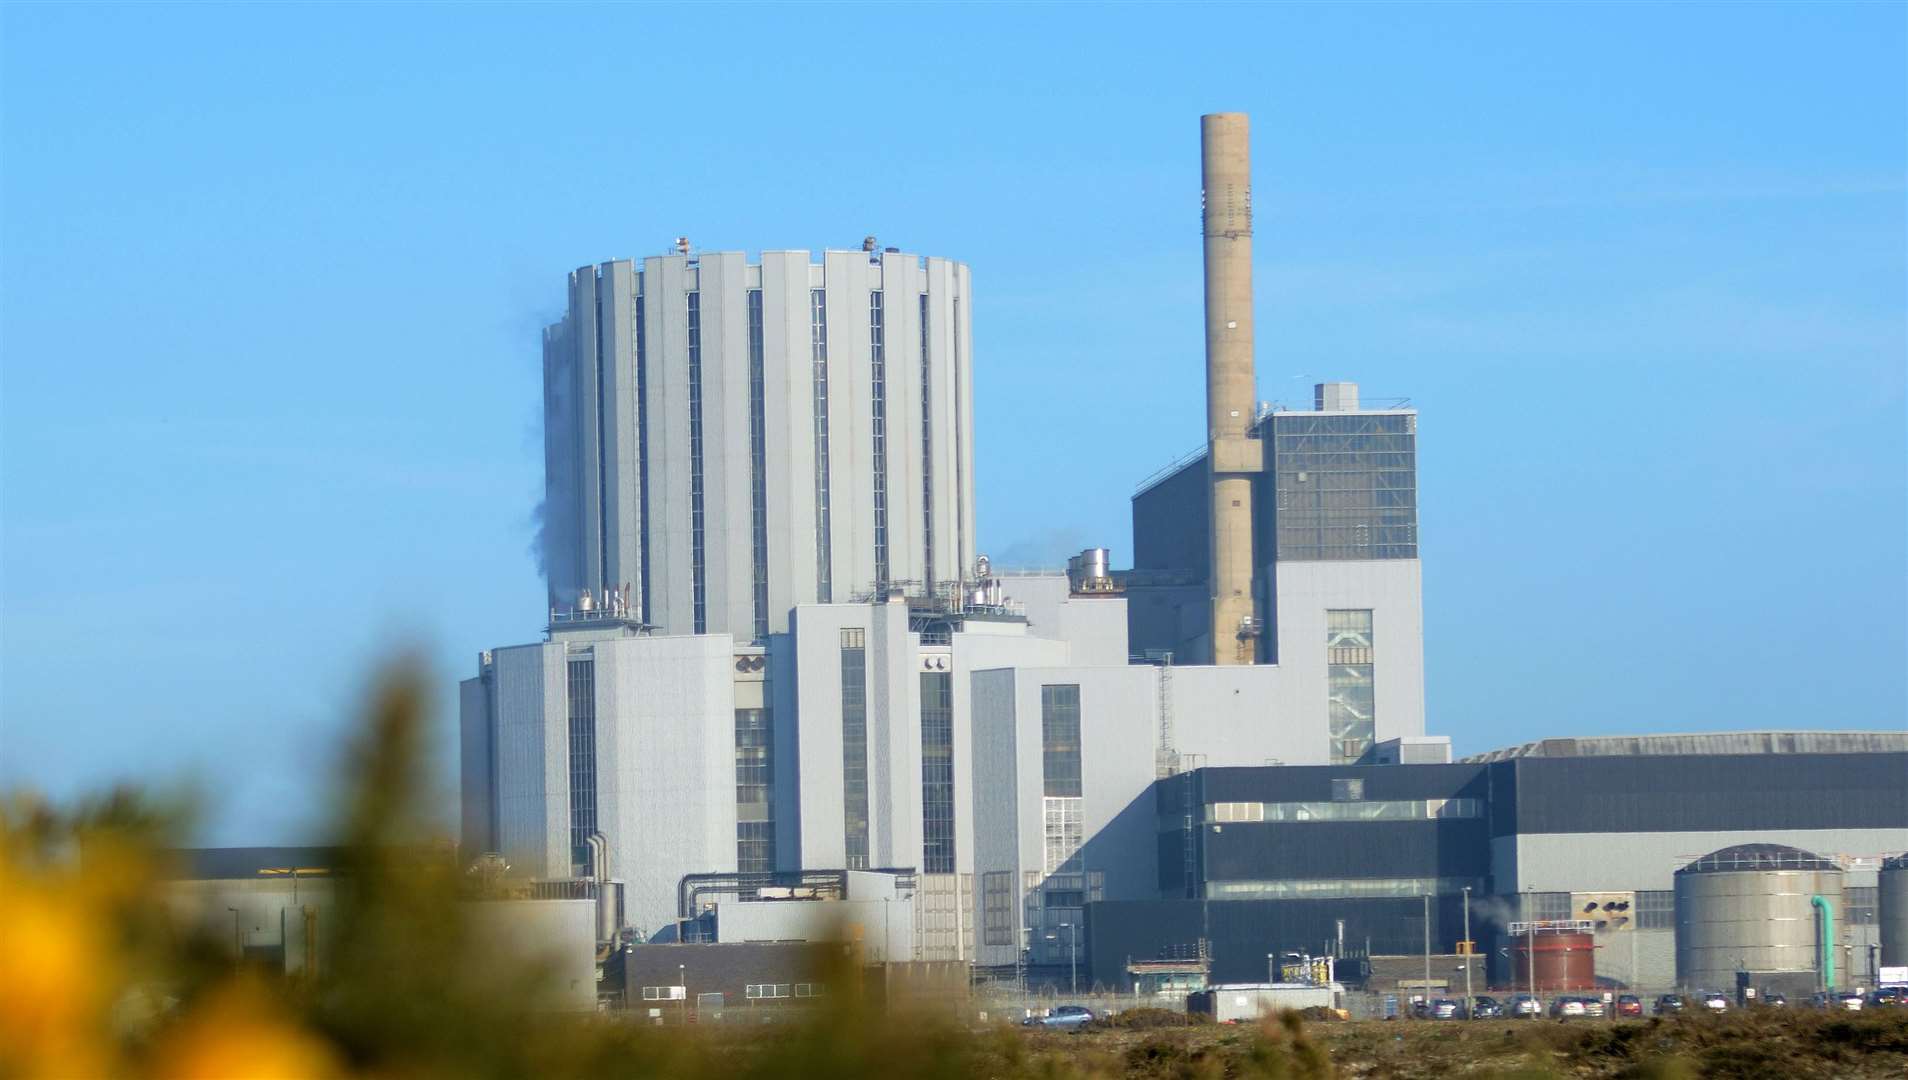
x=238, y=1034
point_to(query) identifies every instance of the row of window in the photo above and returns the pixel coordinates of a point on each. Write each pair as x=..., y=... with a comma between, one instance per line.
x=927, y=452
x=1351, y=711
x=937, y=772
x=758, y=468
x=878, y=401
x=754, y=791
x=582, y=757
x=1335, y=889
x=698, y=580
x=1375, y=810
x=766, y=991
x=854, y=746
x=818, y=350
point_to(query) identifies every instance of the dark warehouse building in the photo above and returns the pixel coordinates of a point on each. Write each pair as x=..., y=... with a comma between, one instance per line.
x=1340, y=859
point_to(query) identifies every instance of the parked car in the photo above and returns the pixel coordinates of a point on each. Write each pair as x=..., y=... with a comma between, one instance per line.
x=1525, y=1007
x=1629, y=1005
x=1774, y=1000
x=1592, y=1007
x=1445, y=1009
x=1667, y=1005
x=1889, y=997
x=1565, y=1008
x=1715, y=1001
x=1484, y=1007
x=1062, y=1018
x=1848, y=999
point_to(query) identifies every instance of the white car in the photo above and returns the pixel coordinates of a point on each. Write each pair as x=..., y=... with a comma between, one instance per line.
x=1565, y=1008
x=1715, y=1002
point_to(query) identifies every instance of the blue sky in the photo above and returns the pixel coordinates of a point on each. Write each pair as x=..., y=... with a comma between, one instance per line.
x=273, y=278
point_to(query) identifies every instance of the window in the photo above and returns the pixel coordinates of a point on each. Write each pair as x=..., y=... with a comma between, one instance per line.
x=698, y=580
x=878, y=401
x=818, y=354
x=1860, y=901
x=662, y=993
x=927, y=456
x=642, y=453
x=1068, y=898
x=1548, y=906
x=754, y=791
x=1351, y=711
x=854, y=745
x=937, y=772
x=808, y=990
x=1060, y=774
x=582, y=731
x=1348, y=790
x=1346, y=485
x=1060, y=740
x=1374, y=810
x=758, y=467
x=960, y=450
x=1337, y=889
x=997, y=907
x=766, y=991
x=1656, y=909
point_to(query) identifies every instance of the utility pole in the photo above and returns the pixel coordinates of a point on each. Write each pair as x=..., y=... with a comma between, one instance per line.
x=1469, y=949
x=1427, y=954
x=1073, y=958
x=1530, y=944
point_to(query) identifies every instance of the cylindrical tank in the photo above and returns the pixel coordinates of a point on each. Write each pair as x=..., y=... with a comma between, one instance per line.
x=1565, y=960
x=1759, y=908
x=1096, y=563
x=1892, y=896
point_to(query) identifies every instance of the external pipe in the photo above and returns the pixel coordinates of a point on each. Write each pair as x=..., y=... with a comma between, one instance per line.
x=1824, y=939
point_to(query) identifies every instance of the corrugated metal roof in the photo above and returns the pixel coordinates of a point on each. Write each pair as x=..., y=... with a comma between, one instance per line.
x=1720, y=742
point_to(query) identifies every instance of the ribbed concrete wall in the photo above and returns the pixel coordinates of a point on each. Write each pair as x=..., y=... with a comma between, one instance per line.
x=612, y=394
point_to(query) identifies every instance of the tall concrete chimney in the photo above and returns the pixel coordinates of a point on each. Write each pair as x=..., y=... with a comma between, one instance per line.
x=1231, y=390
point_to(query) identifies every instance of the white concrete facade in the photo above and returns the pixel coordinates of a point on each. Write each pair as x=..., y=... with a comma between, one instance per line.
x=667, y=465
x=663, y=766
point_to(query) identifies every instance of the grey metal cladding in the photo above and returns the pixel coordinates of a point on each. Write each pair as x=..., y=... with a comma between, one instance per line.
x=1171, y=526
x=1242, y=932
x=1688, y=793
x=1318, y=850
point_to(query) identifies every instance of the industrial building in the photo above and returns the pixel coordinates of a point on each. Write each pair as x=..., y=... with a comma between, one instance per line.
x=1603, y=837
x=775, y=660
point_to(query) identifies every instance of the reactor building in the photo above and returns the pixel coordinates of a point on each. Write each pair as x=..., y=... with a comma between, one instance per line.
x=776, y=667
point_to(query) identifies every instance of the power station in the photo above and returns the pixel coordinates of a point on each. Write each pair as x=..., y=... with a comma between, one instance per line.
x=778, y=672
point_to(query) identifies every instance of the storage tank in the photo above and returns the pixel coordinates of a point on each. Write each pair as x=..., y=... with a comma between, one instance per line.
x=1565, y=960
x=1759, y=908
x=1892, y=897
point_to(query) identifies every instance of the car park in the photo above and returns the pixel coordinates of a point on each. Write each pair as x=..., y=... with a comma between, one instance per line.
x=1629, y=1005
x=1526, y=1007
x=1668, y=1005
x=1062, y=1018
x=1484, y=1007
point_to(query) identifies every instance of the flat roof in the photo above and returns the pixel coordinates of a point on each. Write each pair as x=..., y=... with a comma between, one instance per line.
x=1714, y=742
